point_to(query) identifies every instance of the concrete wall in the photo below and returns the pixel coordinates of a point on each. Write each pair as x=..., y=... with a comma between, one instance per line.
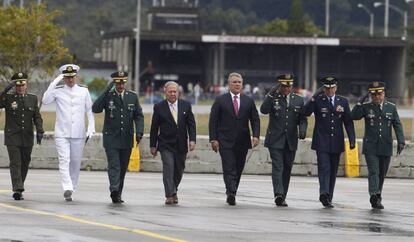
x=204, y=160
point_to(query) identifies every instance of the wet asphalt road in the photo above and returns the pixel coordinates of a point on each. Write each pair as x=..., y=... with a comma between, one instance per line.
x=202, y=214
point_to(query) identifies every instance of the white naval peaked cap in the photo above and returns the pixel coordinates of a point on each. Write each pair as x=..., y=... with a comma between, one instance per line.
x=69, y=69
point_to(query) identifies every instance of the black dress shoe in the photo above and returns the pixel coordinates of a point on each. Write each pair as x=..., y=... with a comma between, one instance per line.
x=280, y=201
x=324, y=199
x=231, y=200
x=375, y=201
x=18, y=196
x=175, y=199
x=115, y=197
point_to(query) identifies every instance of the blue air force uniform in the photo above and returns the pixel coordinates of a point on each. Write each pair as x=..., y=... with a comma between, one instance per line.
x=331, y=115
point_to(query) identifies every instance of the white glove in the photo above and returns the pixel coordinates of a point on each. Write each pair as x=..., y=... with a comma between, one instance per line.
x=89, y=134
x=58, y=78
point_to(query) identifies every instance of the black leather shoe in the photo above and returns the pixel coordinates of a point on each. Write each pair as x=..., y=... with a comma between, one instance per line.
x=115, y=197
x=280, y=201
x=18, y=196
x=324, y=199
x=231, y=200
x=375, y=201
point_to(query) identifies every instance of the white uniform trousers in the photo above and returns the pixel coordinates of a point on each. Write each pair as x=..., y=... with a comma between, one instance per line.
x=70, y=152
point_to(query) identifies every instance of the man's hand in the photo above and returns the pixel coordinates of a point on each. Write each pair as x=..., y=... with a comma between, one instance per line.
x=302, y=135
x=154, y=151
x=58, y=78
x=90, y=134
x=255, y=141
x=400, y=148
x=191, y=146
x=215, y=145
x=109, y=87
x=138, y=139
x=274, y=90
x=39, y=137
x=318, y=92
x=10, y=86
x=352, y=145
x=362, y=100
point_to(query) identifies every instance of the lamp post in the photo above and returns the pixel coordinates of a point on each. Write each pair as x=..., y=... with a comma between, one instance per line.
x=327, y=17
x=137, y=46
x=371, y=18
x=403, y=13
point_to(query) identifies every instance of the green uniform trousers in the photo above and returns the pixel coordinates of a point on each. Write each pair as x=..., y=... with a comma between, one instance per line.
x=377, y=170
x=19, y=157
x=118, y=161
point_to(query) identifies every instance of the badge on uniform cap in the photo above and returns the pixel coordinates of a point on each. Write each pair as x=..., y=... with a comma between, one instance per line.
x=20, y=75
x=375, y=84
x=330, y=78
x=69, y=68
x=121, y=73
x=288, y=76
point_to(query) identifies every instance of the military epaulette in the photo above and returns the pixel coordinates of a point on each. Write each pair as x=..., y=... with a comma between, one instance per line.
x=60, y=86
x=82, y=85
x=132, y=91
x=295, y=94
x=393, y=104
x=341, y=96
x=31, y=94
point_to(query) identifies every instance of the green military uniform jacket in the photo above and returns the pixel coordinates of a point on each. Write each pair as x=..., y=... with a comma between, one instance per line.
x=378, y=123
x=120, y=116
x=284, y=121
x=22, y=111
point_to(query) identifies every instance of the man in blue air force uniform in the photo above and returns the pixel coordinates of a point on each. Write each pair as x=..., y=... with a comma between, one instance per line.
x=332, y=113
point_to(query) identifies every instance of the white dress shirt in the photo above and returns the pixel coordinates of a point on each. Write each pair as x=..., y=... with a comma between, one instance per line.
x=72, y=103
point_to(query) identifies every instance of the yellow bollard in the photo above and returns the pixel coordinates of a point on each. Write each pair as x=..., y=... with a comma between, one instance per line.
x=351, y=160
x=134, y=160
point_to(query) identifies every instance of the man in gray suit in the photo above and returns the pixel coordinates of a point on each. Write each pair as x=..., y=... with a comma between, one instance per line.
x=173, y=133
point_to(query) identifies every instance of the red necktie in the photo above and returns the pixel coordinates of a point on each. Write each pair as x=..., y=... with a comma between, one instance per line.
x=236, y=105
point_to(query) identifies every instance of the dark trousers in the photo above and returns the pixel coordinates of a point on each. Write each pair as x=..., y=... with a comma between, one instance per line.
x=118, y=160
x=19, y=165
x=377, y=170
x=233, y=161
x=327, y=170
x=173, y=164
x=282, y=162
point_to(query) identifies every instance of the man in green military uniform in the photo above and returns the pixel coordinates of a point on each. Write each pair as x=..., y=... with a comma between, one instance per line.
x=285, y=117
x=122, y=110
x=380, y=117
x=22, y=112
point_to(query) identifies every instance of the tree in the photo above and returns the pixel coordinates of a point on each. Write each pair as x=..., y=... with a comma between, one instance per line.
x=30, y=41
x=276, y=27
x=296, y=20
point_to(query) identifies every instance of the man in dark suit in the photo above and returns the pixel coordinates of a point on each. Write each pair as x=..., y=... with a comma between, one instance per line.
x=285, y=118
x=122, y=111
x=332, y=113
x=173, y=133
x=381, y=116
x=230, y=134
x=22, y=113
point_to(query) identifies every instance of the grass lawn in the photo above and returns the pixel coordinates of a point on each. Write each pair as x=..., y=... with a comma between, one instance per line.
x=202, y=124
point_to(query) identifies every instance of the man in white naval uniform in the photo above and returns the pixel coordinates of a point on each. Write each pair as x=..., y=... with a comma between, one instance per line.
x=73, y=103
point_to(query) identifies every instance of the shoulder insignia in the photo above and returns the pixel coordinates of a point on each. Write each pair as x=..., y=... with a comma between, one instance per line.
x=82, y=85
x=31, y=94
x=339, y=96
x=60, y=86
x=388, y=102
x=132, y=91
